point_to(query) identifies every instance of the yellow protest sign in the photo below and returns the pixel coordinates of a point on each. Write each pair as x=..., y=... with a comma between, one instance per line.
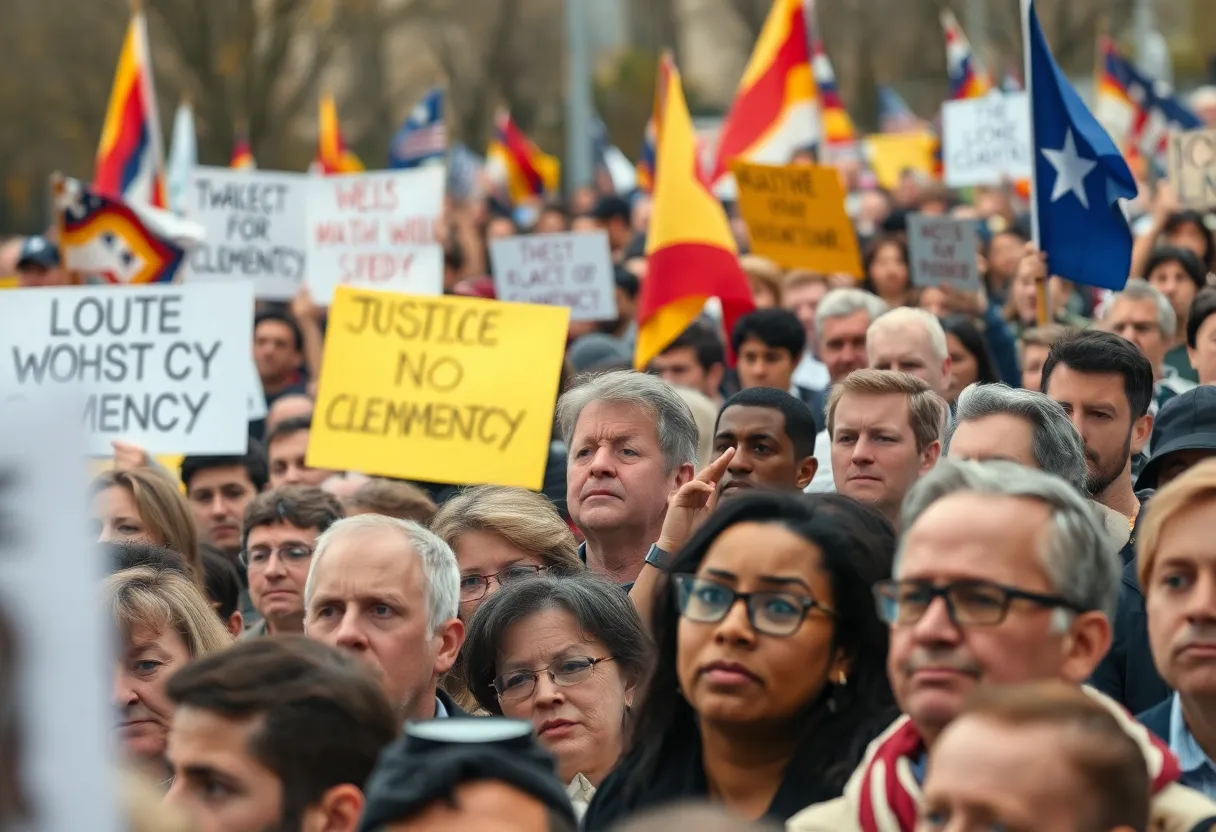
x=890, y=154
x=442, y=389
x=795, y=217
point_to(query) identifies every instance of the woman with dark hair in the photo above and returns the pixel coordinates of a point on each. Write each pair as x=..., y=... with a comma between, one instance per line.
x=886, y=269
x=969, y=358
x=770, y=674
x=1177, y=274
x=566, y=653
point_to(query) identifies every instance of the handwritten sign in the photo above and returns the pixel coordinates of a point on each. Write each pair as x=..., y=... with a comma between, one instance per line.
x=1193, y=167
x=796, y=217
x=442, y=389
x=943, y=250
x=255, y=227
x=54, y=680
x=986, y=140
x=163, y=366
x=375, y=230
x=573, y=270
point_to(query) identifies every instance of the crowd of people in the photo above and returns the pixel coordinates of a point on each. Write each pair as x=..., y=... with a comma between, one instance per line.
x=882, y=557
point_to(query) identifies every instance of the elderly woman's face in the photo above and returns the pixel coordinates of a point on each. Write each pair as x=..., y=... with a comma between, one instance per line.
x=732, y=673
x=482, y=554
x=144, y=712
x=116, y=517
x=580, y=716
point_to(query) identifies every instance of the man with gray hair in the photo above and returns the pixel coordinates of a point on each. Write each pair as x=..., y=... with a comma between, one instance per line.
x=1144, y=316
x=842, y=319
x=387, y=591
x=633, y=443
x=912, y=341
x=1003, y=575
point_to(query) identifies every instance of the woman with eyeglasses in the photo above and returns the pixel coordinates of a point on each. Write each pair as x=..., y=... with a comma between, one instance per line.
x=770, y=671
x=567, y=653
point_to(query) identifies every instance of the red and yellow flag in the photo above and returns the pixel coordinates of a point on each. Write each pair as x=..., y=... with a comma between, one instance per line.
x=775, y=111
x=691, y=252
x=516, y=163
x=332, y=155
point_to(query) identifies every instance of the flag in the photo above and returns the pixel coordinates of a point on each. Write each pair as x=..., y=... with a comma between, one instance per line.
x=1138, y=111
x=517, y=164
x=242, y=152
x=332, y=155
x=645, y=164
x=464, y=172
x=610, y=163
x=105, y=238
x=422, y=138
x=894, y=114
x=1079, y=176
x=130, y=161
x=837, y=126
x=183, y=156
x=650, y=140
x=691, y=252
x=968, y=79
x=774, y=112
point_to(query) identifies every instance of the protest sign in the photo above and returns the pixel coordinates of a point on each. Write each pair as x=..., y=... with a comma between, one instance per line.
x=442, y=389
x=255, y=227
x=891, y=154
x=943, y=250
x=255, y=394
x=56, y=656
x=795, y=216
x=986, y=140
x=1193, y=167
x=375, y=230
x=573, y=270
x=161, y=366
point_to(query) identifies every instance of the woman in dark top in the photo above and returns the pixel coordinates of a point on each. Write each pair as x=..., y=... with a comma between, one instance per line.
x=770, y=677
x=970, y=361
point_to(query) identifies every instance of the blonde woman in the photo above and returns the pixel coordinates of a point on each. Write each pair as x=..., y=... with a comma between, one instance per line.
x=145, y=504
x=164, y=622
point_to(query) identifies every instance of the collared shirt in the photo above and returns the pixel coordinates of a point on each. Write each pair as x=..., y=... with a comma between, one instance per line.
x=440, y=711
x=1198, y=770
x=811, y=373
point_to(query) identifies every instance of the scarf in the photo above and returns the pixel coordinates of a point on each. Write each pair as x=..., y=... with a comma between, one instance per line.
x=886, y=794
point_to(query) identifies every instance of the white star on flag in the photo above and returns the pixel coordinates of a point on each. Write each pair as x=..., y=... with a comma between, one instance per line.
x=1071, y=170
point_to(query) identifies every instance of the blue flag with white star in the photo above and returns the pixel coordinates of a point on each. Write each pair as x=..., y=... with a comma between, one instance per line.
x=1080, y=176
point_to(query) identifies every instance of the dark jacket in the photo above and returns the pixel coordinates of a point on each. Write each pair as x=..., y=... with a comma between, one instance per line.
x=449, y=703
x=1157, y=719
x=1127, y=673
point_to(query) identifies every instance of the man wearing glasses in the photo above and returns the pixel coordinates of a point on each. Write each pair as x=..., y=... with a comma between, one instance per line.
x=1003, y=575
x=277, y=541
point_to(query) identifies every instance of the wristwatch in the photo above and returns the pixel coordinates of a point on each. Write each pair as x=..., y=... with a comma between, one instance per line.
x=658, y=558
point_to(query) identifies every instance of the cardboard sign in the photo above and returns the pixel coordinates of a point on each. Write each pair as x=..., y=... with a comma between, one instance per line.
x=796, y=217
x=573, y=270
x=891, y=154
x=255, y=394
x=162, y=366
x=943, y=250
x=375, y=230
x=986, y=140
x=56, y=677
x=442, y=389
x=255, y=227
x=1193, y=167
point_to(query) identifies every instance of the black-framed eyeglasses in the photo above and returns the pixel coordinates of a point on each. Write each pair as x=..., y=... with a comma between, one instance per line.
x=474, y=587
x=520, y=684
x=772, y=612
x=968, y=603
x=259, y=556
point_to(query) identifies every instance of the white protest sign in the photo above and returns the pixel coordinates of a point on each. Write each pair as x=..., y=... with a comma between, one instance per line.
x=943, y=250
x=573, y=270
x=162, y=366
x=255, y=394
x=1192, y=167
x=55, y=678
x=986, y=140
x=376, y=231
x=255, y=225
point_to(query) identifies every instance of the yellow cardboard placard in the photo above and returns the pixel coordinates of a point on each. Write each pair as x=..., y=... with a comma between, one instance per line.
x=795, y=217
x=890, y=154
x=442, y=389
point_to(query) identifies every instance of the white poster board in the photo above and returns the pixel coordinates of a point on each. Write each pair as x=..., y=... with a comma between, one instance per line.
x=1192, y=167
x=63, y=668
x=573, y=270
x=162, y=366
x=255, y=224
x=375, y=230
x=986, y=140
x=943, y=250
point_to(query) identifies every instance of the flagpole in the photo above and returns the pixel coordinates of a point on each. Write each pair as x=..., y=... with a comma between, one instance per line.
x=1040, y=287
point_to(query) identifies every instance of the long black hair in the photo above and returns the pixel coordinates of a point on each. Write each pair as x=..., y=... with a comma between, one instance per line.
x=858, y=547
x=961, y=327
